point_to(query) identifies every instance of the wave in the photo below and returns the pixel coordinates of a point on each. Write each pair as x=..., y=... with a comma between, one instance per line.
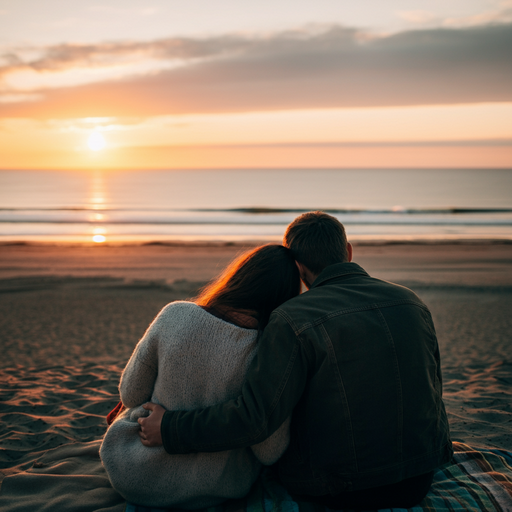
x=256, y=216
x=267, y=210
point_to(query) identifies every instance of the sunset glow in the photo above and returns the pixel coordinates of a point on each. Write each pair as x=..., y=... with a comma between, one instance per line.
x=96, y=141
x=338, y=85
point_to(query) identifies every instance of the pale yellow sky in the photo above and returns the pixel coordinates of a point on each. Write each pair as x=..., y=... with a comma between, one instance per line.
x=408, y=84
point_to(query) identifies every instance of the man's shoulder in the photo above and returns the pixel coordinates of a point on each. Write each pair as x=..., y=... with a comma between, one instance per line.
x=345, y=296
x=393, y=288
x=389, y=291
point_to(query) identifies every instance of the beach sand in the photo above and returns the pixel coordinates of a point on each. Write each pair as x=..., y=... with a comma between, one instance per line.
x=71, y=316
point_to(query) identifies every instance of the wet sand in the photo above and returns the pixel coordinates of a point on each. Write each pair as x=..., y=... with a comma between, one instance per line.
x=70, y=317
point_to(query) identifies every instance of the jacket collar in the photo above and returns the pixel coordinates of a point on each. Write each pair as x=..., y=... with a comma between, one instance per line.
x=338, y=270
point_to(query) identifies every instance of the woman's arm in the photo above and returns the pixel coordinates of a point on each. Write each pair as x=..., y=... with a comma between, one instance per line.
x=138, y=378
x=269, y=451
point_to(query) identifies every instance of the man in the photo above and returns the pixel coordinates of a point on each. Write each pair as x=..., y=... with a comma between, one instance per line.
x=356, y=360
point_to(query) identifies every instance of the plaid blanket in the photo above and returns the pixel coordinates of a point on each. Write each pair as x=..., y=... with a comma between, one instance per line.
x=475, y=480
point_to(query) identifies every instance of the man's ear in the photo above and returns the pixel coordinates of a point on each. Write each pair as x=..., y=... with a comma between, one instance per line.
x=349, y=251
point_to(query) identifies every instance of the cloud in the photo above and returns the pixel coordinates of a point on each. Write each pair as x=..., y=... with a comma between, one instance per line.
x=334, y=68
x=503, y=14
x=69, y=56
x=418, y=16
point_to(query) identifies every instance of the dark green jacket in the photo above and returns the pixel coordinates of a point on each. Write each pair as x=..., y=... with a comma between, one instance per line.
x=356, y=361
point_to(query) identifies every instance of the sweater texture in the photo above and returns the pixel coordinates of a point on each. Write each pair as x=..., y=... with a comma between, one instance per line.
x=187, y=359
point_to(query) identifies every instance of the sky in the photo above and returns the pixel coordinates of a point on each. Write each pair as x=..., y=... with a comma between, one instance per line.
x=224, y=83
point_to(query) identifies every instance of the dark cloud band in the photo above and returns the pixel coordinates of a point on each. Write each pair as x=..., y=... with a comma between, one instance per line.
x=339, y=67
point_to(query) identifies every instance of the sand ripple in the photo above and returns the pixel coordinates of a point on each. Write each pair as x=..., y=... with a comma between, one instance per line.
x=45, y=408
x=479, y=404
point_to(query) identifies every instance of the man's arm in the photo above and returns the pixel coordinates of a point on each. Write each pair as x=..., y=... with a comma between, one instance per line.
x=275, y=381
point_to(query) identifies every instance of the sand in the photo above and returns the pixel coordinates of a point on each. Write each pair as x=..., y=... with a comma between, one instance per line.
x=70, y=317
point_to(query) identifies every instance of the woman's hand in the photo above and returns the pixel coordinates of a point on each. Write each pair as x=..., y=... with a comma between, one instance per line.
x=149, y=432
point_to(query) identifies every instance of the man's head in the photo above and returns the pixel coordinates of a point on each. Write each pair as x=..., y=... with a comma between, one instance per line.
x=317, y=240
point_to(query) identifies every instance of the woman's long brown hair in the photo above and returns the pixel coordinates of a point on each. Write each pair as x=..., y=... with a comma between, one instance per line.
x=259, y=280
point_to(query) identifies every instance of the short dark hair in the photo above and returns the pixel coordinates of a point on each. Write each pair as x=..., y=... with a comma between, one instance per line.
x=259, y=280
x=317, y=240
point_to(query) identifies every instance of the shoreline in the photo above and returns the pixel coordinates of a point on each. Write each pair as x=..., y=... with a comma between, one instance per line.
x=430, y=264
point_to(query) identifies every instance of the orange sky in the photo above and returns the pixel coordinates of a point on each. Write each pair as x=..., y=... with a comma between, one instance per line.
x=413, y=88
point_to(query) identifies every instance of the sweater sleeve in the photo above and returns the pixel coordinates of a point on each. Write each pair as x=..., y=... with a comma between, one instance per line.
x=269, y=451
x=138, y=377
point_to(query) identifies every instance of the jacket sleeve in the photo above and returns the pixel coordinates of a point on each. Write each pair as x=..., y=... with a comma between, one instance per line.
x=138, y=377
x=274, y=383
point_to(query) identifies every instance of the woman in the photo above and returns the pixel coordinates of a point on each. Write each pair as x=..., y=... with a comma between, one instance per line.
x=196, y=354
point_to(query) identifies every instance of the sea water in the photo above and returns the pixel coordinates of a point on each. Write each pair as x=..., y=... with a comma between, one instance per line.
x=251, y=204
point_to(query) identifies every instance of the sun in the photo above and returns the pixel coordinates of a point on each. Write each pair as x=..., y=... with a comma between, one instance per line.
x=96, y=141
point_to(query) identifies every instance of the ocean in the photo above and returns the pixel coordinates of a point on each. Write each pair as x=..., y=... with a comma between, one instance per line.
x=251, y=204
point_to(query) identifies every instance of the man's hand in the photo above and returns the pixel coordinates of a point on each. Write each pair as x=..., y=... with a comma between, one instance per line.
x=149, y=432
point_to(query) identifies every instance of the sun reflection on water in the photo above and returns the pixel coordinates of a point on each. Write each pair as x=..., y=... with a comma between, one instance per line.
x=98, y=193
x=99, y=235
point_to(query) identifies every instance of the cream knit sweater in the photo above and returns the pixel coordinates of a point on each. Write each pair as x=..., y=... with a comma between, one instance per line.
x=187, y=359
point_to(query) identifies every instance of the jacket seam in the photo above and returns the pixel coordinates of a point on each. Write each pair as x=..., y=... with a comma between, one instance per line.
x=287, y=318
x=343, y=393
x=399, y=384
x=334, y=314
x=296, y=331
x=340, y=274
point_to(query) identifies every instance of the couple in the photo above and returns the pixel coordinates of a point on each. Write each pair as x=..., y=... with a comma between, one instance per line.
x=339, y=387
